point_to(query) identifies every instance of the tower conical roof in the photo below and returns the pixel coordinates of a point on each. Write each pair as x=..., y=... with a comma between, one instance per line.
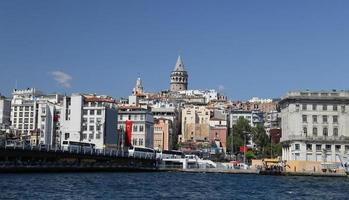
x=179, y=64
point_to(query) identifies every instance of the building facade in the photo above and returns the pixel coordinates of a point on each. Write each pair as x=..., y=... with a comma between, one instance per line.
x=5, y=112
x=48, y=125
x=195, y=124
x=142, y=125
x=315, y=125
x=24, y=112
x=163, y=131
x=89, y=119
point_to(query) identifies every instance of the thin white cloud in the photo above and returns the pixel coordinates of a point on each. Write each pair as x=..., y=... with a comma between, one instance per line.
x=62, y=78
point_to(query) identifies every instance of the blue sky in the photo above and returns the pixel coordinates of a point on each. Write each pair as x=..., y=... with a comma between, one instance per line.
x=249, y=48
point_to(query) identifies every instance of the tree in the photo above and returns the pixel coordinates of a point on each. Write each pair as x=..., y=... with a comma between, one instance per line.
x=240, y=130
x=261, y=139
x=250, y=155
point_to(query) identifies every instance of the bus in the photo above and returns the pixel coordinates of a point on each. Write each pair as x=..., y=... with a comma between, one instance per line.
x=77, y=146
x=141, y=152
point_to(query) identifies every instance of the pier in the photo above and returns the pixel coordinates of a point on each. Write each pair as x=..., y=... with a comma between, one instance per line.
x=52, y=160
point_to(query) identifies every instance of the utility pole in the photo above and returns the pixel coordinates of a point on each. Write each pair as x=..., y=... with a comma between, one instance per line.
x=244, y=147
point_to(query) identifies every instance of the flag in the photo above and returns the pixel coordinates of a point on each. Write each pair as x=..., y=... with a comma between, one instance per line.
x=243, y=149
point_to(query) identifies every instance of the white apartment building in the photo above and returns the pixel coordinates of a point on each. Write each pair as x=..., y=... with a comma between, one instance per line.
x=315, y=125
x=89, y=119
x=208, y=95
x=24, y=111
x=48, y=125
x=142, y=125
x=253, y=117
x=5, y=112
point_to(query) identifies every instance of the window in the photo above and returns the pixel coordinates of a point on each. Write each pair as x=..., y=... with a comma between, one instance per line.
x=134, y=141
x=328, y=147
x=26, y=114
x=66, y=136
x=309, y=147
x=141, y=128
x=135, y=128
x=43, y=119
x=98, y=136
x=84, y=136
x=43, y=111
x=324, y=119
x=21, y=108
x=324, y=107
x=135, y=117
x=305, y=131
x=141, y=141
x=92, y=112
x=120, y=117
x=343, y=108
x=99, y=112
x=20, y=114
x=92, y=120
x=84, y=112
x=84, y=128
x=314, y=131
x=314, y=106
x=318, y=147
x=98, y=128
x=26, y=108
x=304, y=106
x=92, y=128
x=346, y=148
x=296, y=147
x=338, y=147
x=335, y=119
x=325, y=132
x=314, y=118
x=84, y=120
x=304, y=117
x=99, y=120
x=31, y=114
x=335, y=131
x=334, y=108
x=90, y=136
x=142, y=117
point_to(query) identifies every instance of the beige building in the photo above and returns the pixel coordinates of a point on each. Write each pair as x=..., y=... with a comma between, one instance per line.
x=163, y=131
x=195, y=124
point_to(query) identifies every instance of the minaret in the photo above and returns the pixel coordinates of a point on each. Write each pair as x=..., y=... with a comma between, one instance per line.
x=138, y=90
x=179, y=77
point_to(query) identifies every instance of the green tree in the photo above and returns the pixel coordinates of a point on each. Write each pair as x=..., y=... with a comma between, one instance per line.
x=237, y=136
x=261, y=139
x=250, y=155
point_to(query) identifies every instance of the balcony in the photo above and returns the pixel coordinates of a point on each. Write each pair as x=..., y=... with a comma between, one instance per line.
x=321, y=139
